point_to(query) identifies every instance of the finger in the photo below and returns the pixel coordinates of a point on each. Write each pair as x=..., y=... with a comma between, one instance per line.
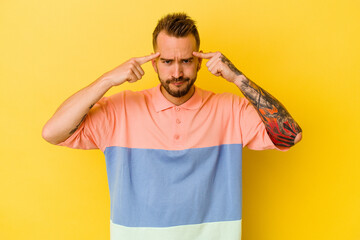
x=208, y=64
x=142, y=60
x=214, y=64
x=217, y=71
x=138, y=67
x=204, y=55
x=216, y=68
x=212, y=60
x=132, y=78
x=136, y=73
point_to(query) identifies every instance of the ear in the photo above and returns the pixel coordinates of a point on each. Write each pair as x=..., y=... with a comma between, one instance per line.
x=153, y=62
x=199, y=63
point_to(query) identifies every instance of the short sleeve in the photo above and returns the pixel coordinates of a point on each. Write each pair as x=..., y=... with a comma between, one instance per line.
x=94, y=131
x=253, y=131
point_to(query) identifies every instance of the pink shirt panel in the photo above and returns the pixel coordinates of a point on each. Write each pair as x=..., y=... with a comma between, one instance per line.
x=146, y=119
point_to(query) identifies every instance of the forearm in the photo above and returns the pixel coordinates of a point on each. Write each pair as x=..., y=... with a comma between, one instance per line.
x=73, y=111
x=281, y=127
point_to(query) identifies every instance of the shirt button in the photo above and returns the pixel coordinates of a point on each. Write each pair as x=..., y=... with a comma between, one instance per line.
x=177, y=109
x=178, y=121
x=176, y=137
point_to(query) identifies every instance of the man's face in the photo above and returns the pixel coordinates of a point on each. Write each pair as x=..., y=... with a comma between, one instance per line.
x=176, y=66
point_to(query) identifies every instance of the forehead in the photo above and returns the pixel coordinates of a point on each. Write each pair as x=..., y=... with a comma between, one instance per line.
x=170, y=46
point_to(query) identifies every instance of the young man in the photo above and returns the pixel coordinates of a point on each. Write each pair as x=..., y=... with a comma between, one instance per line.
x=173, y=153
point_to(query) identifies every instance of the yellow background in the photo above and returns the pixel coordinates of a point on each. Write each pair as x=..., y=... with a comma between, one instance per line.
x=304, y=52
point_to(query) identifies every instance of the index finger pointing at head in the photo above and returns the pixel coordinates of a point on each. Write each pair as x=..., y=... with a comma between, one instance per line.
x=204, y=55
x=142, y=60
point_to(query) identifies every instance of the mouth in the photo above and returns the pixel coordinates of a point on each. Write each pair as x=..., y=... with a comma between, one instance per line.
x=178, y=83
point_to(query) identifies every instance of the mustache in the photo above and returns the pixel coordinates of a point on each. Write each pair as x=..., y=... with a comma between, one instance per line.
x=180, y=79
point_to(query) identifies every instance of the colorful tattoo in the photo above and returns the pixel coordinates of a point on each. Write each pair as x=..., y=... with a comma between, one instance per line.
x=279, y=124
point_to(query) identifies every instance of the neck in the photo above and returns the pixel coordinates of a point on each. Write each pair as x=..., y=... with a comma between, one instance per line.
x=177, y=100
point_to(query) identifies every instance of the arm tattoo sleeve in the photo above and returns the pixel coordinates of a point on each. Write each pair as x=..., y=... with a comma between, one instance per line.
x=279, y=124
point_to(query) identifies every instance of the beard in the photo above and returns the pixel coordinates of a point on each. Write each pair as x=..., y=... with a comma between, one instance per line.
x=182, y=90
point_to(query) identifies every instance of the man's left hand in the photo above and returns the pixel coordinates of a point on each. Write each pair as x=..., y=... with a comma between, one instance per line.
x=219, y=65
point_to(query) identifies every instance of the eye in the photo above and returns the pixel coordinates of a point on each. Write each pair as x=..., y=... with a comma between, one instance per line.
x=167, y=61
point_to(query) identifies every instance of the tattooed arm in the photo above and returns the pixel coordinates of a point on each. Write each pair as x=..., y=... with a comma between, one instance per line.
x=281, y=127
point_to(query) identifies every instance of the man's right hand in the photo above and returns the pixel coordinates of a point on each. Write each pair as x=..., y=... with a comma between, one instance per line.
x=129, y=71
x=73, y=111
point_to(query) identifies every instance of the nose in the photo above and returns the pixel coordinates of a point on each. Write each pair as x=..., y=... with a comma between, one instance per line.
x=178, y=71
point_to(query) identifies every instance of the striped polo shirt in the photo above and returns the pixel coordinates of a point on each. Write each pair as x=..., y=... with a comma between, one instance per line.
x=174, y=172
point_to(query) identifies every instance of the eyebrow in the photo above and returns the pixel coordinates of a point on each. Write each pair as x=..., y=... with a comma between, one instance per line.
x=171, y=59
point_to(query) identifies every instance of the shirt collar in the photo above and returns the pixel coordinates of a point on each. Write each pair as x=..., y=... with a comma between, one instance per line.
x=161, y=103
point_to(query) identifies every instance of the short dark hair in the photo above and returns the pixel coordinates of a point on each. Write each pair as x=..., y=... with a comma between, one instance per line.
x=177, y=25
